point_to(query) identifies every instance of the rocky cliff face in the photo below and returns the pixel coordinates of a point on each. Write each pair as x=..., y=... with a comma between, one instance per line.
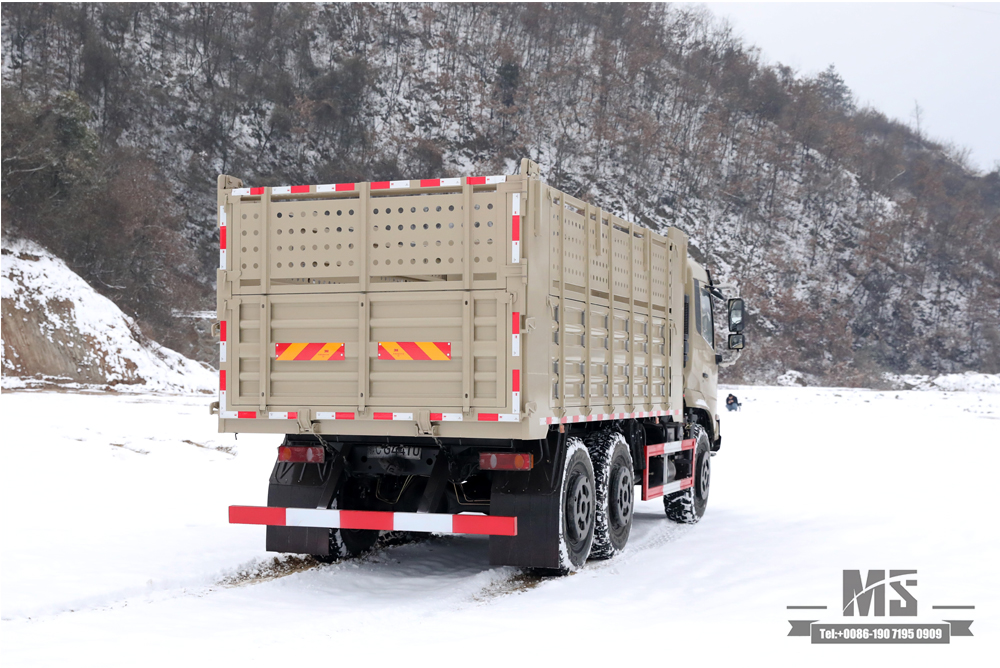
x=860, y=246
x=58, y=332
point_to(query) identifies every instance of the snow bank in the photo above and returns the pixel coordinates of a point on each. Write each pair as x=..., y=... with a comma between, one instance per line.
x=952, y=382
x=58, y=330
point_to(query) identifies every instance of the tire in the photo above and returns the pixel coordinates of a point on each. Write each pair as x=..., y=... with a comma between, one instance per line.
x=615, y=483
x=350, y=542
x=577, y=506
x=688, y=506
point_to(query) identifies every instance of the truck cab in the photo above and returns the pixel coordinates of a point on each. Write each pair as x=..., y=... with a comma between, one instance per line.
x=701, y=363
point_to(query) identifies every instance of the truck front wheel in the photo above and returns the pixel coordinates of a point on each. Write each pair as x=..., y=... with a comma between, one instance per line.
x=688, y=506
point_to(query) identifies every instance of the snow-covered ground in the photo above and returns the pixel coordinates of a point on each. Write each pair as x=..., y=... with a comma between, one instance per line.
x=117, y=551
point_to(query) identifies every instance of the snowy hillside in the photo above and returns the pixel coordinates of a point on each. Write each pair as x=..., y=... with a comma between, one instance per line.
x=58, y=330
x=142, y=563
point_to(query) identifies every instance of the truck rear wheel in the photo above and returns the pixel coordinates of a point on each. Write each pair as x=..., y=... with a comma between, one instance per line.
x=688, y=506
x=615, y=485
x=577, y=506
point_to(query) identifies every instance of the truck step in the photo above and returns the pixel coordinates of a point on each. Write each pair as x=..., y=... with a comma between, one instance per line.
x=484, y=525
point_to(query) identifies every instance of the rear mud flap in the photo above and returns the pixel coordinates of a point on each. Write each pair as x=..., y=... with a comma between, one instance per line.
x=533, y=498
x=297, y=486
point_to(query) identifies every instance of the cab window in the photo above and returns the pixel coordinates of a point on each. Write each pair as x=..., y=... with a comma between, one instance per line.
x=706, y=326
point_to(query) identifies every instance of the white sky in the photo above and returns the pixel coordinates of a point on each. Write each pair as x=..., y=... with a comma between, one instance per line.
x=946, y=56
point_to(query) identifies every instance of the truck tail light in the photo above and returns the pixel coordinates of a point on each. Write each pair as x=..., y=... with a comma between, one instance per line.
x=506, y=461
x=311, y=455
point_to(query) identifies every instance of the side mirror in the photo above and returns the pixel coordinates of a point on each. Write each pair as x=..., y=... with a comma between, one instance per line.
x=735, y=316
x=736, y=342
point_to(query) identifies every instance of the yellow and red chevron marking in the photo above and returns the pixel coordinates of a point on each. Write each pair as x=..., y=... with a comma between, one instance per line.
x=414, y=350
x=309, y=351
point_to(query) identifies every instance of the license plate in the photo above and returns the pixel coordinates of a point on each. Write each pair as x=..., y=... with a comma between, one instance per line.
x=384, y=451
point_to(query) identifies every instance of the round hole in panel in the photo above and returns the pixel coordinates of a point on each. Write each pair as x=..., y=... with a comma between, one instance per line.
x=401, y=209
x=315, y=213
x=374, y=245
x=451, y=225
x=279, y=265
x=302, y=247
x=291, y=215
x=351, y=263
x=477, y=259
x=426, y=209
x=437, y=243
x=489, y=259
x=451, y=207
x=315, y=231
x=279, y=247
x=244, y=232
x=375, y=262
x=350, y=245
x=350, y=229
x=413, y=244
x=244, y=266
x=425, y=244
x=451, y=243
x=256, y=232
x=326, y=213
x=451, y=260
x=477, y=224
x=489, y=241
x=326, y=264
x=315, y=247
x=315, y=264
x=489, y=206
x=279, y=231
x=279, y=214
x=399, y=262
x=244, y=249
x=438, y=209
x=425, y=260
x=326, y=247
x=303, y=264
x=256, y=249
x=400, y=228
x=426, y=226
x=338, y=263
x=339, y=212
x=413, y=260
x=438, y=226
x=302, y=231
x=350, y=213
x=291, y=231
x=477, y=207
x=437, y=261
x=338, y=248
x=256, y=216
x=326, y=229
x=413, y=209
x=339, y=229
x=413, y=227
x=489, y=223
x=375, y=211
x=244, y=216
x=255, y=265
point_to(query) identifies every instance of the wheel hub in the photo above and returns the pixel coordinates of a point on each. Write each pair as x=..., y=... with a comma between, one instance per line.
x=621, y=497
x=706, y=472
x=579, y=507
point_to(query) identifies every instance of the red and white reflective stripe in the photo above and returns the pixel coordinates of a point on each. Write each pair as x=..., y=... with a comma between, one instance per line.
x=392, y=416
x=222, y=237
x=283, y=415
x=289, y=190
x=222, y=341
x=446, y=417
x=515, y=391
x=334, y=187
x=598, y=417
x=320, y=415
x=247, y=192
x=515, y=229
x=439, y=183
x=386, y=185
x=484, y=525
x=241, y=415
x=485, y=180
x=498, y=417
x=515, y=341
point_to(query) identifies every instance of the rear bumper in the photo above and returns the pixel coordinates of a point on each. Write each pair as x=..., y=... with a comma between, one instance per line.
x=484, y=525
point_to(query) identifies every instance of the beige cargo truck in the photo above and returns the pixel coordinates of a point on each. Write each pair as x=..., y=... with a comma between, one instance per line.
x=480, y=355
